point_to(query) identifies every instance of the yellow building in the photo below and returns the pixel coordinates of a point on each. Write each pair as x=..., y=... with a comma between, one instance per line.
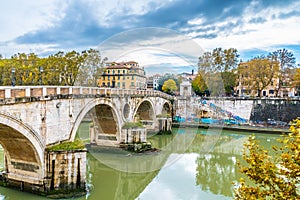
x=245, y=86
x=124, y=75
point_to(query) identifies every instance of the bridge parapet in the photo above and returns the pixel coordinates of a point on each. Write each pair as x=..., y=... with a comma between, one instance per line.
x=23, y=94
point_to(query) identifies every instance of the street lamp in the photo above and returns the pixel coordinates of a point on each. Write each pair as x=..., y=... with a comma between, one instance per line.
x=13, y=81
x=41, y=75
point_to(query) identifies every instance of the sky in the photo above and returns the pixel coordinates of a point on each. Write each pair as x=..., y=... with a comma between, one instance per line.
x=162, y=35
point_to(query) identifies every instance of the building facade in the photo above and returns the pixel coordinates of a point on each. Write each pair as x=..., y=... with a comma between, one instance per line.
x=152, y=82
x=124, y=75
x=156, y=77
x=274, y=89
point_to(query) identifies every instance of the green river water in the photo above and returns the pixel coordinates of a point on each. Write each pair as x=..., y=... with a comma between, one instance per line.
x=191, y=164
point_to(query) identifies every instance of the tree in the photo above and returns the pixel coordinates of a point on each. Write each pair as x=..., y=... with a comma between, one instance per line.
x=205, y=63
x=230, y=59
x=58, y=69
x=91, y=68
x=218, y=59
x=218, y=69
x=63, y=68
x=272, y=177
x=26, y=68
x=296, y=79
x=199, y=85
x=169, y=86
x=258, y=73
x=229, y=81
x=5, y=72
x=164, y=78
x=286, y=61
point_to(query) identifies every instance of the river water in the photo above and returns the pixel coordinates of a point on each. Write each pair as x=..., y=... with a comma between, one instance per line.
x=191, y=164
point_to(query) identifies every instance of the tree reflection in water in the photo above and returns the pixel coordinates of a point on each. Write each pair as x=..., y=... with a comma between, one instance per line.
x=217, y=170
x=217, y=154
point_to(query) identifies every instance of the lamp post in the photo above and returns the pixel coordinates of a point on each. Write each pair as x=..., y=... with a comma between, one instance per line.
x=13, y=81
x=41, y=75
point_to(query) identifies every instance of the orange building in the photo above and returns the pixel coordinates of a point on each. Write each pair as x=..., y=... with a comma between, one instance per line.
x=125, y=75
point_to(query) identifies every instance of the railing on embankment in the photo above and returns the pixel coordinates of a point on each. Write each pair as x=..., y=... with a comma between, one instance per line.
x=19, y=94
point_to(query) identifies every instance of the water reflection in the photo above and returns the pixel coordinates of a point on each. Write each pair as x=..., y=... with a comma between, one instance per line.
x=213, y=170
x=108, y=183
x=204, y=170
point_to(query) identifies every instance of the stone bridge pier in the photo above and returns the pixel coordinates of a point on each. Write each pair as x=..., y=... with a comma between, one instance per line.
x=33, y=119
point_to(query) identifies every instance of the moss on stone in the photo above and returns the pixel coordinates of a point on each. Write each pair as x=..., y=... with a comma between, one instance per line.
x=68, y=146
x=129, y=125
x=163, y=116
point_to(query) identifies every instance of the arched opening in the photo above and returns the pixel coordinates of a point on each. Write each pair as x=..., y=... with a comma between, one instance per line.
x=21, y=161
x=99, y=126
x=144, y=112
x=166, y=110
x=126, y=111
x=105, y=120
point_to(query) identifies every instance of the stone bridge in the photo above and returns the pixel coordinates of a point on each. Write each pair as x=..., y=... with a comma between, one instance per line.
x=33, y=118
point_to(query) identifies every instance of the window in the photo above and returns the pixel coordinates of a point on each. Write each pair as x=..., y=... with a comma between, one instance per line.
x=132, y=77
x=108, y=78
x=119, y=84
x=123, y=71
x=118, y=71
x=264, y=93
x=118, y=77
x=104, y=78
x=123, y=77
x=113, y=71
x=123, y=84
x=108, y=84
x=108, y=71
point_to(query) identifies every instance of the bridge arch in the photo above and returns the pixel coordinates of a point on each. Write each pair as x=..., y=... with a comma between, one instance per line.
x=98, y=103
x=167, y=108
x=144, y=110
x=24, y=150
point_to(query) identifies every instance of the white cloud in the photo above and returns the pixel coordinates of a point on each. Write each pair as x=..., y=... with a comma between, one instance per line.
x=158, y=61
x=153, y=46
x=151, y=56
x=271, y=32
x=197, y=21
x=20, y=17
x=9, y=49
x=107, y=11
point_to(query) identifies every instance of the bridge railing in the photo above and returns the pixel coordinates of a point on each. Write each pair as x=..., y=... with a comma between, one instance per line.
x=29, y=93
x=126, y=92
